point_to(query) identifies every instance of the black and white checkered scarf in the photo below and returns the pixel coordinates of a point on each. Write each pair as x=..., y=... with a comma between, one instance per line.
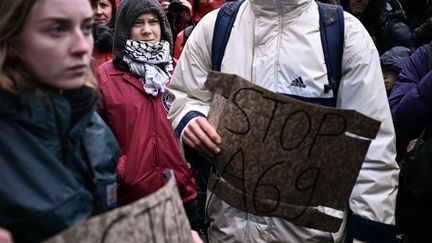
x=151, y=62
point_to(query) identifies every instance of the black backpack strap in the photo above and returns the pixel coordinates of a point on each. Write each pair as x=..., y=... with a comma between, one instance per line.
x=222, y=31
x=186, y=33
x=332, y=40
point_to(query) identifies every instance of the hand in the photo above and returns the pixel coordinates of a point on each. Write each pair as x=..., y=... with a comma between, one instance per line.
x=202, y=136
x=196, y=237
x=165, y=5
x=186, y=14
x=188, y=5
x=5, y=236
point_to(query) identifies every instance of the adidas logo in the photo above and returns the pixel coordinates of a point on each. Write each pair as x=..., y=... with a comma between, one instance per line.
x=298, y=82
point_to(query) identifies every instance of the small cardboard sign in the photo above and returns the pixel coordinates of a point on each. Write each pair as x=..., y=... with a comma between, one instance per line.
x=282, y=157
x=160, y=217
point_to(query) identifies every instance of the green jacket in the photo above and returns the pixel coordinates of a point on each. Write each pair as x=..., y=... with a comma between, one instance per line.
x=51, y=164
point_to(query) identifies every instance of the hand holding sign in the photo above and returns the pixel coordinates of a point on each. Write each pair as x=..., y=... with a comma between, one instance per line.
x=202, y=137
x=282, y=157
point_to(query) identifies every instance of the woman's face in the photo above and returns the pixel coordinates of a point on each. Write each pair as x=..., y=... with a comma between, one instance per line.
x=146, y=28
x=103, y=12
x=57, y=42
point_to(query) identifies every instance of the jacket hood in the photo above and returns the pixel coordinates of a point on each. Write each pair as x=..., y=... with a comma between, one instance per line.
x=395, y=58
x=128, y=11
x=289, y=8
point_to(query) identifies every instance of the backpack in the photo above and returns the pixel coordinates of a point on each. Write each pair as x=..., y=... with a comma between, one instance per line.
x=416, y=165
x=332, y=39
x=186, y=33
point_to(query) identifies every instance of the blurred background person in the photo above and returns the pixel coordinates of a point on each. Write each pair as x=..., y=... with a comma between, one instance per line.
x=103, y=31
x=392, y=62
x=419, y=14
x=199, y=9
x=410, y=103
x=104, y=11
x=385, y=20
x=179, y=14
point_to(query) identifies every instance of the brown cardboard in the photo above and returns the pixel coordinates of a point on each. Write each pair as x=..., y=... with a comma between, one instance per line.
x=160, y=217
x=282, y=157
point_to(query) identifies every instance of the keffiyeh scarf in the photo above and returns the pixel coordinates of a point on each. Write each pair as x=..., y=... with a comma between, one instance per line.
x=151, y=62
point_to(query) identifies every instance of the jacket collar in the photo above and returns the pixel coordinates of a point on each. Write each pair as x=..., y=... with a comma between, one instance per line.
x=128, y=77
x=43, y=112
x=280, y=8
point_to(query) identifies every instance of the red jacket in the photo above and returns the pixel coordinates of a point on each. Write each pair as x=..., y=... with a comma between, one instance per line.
x=201, y=8
x=148, y=146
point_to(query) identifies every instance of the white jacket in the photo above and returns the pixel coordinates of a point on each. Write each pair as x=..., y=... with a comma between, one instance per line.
x=272, y=43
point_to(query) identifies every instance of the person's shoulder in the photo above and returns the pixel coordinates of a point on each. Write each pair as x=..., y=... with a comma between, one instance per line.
x=108, y=68
x=107, y=71
x=420, y=57
x=208, y=21
x=423, y=50
x=352, y=23
x=357, y=38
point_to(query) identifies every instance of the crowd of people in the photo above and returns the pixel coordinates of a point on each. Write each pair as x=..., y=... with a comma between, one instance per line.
x=105, y=95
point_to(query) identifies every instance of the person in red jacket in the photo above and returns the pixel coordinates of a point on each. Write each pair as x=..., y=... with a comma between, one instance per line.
x=135, y=103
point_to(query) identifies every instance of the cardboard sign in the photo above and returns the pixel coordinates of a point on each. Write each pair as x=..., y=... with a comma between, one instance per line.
x=157, y=218
x=282, y=157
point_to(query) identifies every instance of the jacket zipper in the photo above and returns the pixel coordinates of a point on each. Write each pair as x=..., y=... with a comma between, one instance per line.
x=156, y=139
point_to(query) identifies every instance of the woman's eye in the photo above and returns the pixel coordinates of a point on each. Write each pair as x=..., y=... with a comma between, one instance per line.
x=57, y=30
x=138, y=23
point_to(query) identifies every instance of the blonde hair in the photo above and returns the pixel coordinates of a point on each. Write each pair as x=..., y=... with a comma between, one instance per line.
x=14, y=74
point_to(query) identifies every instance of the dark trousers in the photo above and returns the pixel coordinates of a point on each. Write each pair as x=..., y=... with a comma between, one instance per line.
x=413, y=216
